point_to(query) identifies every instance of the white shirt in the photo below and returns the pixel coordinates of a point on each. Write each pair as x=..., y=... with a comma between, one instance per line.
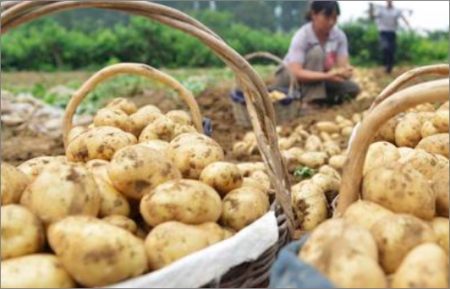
x=387, y=19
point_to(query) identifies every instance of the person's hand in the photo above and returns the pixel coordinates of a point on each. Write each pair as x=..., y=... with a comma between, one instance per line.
x=335, y=76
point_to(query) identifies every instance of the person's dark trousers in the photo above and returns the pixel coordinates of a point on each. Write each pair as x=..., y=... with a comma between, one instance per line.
x=388, y=40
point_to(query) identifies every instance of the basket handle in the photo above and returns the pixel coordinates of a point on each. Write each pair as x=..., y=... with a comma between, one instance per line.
x=433, y=91
x=441, y=69
x=266, y=55
x=135, y=69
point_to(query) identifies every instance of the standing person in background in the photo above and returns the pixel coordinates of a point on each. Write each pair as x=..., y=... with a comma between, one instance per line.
x=388, y=19
x=318, y=57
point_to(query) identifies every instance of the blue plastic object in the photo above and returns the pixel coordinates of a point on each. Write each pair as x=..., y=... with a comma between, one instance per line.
x=207, y=126
x=291, y=272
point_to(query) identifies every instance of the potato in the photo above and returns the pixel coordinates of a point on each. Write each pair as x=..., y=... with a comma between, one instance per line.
x=313, y=144
x=331, y=148
x=313, y=160
x=75, y=132
x=332, y=236
x=263, y=179
x=136, y=171
x=328, y=127
x=143, y=117
x=401, y=189
x=444, y=107
x=347, y=131
x=192, y=153
x=329, y=171
x=443, y=161
x=159, y=145
x=441, y=121
x=34, y=167
x=180, y=117
x=436, y=144
x=405, y=152
x=244, y=206
x=22, y=232
x=99, y=143
x=350, y=270
x=428, y=129
x=162, y=128
x=423, y=162
x=326, y=183
x=426, y=107
x=215, y=233
x=387, y=131
x=247, y=169
x=63, y=190
x=408, y=131
x=337, y=162
x=441, y=229
x=173, y=241
x=366, y=214
x=96, y=253
x=187, y=201
x=441, y=188
x=113, y=118
x=223, y=177
x=425, y=267
x=242, y=150
x=253, y=183
x=122, y=222
x=380, y=154
x=123, y=104
x=357, y=117
x=14, y=183
x=292, y=158
x=309, y=204
x=324, y=136
x=35, y=271
x=285, y=143
x=397, y=235
x=182, y=129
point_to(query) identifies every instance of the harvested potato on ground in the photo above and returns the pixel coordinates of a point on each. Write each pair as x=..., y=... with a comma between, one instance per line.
x=123, y=104
x=192, y=153
x=331, y=237
x=247, y=169
x=401, y=189
x=425, y=267
x=313, y=144
x=34, y=167
x=173, y=241
x=14, y=182
x=441, y=229
x=397, y=235
x=329, y=171
x=423, y=162
x=99, y=143
x=163, y=128
x=122, y=222
x=380, y=154
x=180, y=117
x=113, y=118
x=292, y=158
x=96, y=253
x=244, y=206
x=441, y=121
x=331, y=148
x=347, y=131
x=22, y=232
x=137, y=170
x=387, y=131
x=242, y=150
x=441, y=188
x=63, y=190
x=187, y=201
x=143, y=117
x=328, y=127
x=428, y=129
x=436, y=144
x=159, y=145
x=35, y=271
x=309, y=204
x=223, y=177
x=366, y=214
x=408, y=131
x=313, y=160
x=337, y=162
x=75, y=132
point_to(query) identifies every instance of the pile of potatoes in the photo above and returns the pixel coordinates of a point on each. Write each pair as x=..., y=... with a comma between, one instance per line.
x=397, y=235
x=137, y=191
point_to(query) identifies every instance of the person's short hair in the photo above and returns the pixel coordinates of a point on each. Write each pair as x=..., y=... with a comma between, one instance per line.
x=325, y=7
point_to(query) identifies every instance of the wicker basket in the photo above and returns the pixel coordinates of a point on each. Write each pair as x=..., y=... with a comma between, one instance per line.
x=285, y=110
x=259, y=106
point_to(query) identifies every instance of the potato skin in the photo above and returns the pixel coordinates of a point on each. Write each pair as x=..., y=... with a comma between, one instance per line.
x=366, y=214
x=441, y=121
x=92, y=259
x=143, y=117
x=401, y=189
x=244, y=206
x=380, y=154
x=137, y=170
x=63, y=190
x=397, y=235
x=223, y=177
x=173, y=241
x=313, y=160
x=110, y=117
x=441, y=187
x=425, y=267
x=441, y=229
x=436, y=144
x=163, y=128
x=337, y=162
x=187, y=201
x=34, y=167
x=180, y=117
x=35, y=271
x=122, y=104
x=423, y=162
x=192, y=153
x=13, y=184
x=408, y=131
x=22, y=232
x=122, y=222
x=309, y=204
x=159, y=145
